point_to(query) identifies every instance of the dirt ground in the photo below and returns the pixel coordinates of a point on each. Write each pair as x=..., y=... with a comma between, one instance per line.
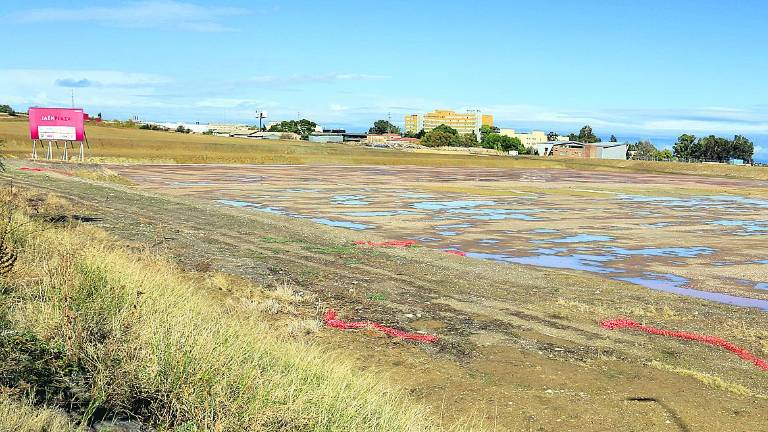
x=520, y=346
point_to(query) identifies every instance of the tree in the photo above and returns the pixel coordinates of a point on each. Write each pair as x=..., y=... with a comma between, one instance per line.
x=503, y=143
x=440, y=138
x=468, y=140
x=665, y=154
x=585, y=135
x=486, y=130
x=447, y=129
x=644, y=150
x=182, y=129
x=7, y=110
x=613, y=138
x=301, y=127
x=685, y=147
x=420, y=134
x=742, y=148
x=552, y=136
x=383, y=127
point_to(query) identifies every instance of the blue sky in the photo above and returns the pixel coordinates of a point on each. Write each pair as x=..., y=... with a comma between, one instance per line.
x=634, y=68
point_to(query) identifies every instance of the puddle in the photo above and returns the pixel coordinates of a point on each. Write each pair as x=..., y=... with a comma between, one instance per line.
x=192, y=183
x=461, y=225
x=342, y=224
x=680, y=252
x=235, y=203
x=424, y=239
x=416, y=195
x=544, y=231
x=447, y=205
x=488, y=241
x=748, y=227
x=761, y=285
x=252, y=206
x=495, y=214
x=590, y=263
x=658, y=225
x=579, y=238
x=448, y=233
x=302, y=190
x=378, y=213
x=357, y=200
x=674, y=284
x=719, y=201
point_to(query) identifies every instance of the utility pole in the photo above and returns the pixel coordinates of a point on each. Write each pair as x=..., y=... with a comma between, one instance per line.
x=73, y=98
x=389, y=122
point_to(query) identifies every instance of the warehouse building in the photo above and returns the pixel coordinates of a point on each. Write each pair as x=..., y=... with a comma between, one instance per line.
x=575, y=149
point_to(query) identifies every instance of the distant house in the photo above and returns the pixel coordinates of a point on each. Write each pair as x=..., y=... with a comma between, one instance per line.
x=290, y=136
x=326, y=137
x=576, y=149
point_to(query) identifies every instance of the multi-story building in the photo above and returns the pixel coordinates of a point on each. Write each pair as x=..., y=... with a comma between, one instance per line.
x=414, y=123
x=467, y=123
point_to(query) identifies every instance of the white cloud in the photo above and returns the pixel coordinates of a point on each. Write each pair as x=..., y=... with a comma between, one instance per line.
x=312, y=78
x=141, y=14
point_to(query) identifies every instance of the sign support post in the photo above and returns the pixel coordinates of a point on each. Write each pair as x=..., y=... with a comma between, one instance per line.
x=34, y=149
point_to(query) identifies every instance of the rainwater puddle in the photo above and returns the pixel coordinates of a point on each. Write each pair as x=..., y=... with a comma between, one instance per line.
x=192, y=184
x=461, y=225
x=579, y=238
x=302, y=190
x=357, y=200
x=674, y=284
x=250, y=205
x=342, y=224
x=590, y=263
x=496, y=214
x=544, y=231
x=747, y=227
x=378, y=213
x=488, y=241
x=416, y=195
x=680, y=252
x=657, y=225
x=761, y=285
x=447, y=205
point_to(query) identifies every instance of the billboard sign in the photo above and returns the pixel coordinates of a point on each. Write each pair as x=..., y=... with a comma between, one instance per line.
x=65, y=124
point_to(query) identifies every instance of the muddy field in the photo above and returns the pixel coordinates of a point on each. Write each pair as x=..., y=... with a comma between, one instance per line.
x=520, y=343
x=691, y=236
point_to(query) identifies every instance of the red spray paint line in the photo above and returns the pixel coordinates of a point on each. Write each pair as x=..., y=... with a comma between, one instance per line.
x=709, y=340
x=455, y=252
x=331, y=320
x=389, y=243
x=34, y=169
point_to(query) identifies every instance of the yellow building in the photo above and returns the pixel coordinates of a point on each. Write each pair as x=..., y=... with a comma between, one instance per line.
x=413, y=123
x=467, y=123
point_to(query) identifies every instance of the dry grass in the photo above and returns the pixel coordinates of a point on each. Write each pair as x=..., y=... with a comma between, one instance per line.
x=710, y=380
x=16, y=416
x=151, y=342
x=122, y=145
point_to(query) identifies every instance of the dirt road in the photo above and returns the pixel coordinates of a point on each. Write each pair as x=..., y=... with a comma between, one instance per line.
x=520, y=347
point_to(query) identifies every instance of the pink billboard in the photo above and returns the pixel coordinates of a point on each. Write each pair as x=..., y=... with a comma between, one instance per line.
x=65, y=124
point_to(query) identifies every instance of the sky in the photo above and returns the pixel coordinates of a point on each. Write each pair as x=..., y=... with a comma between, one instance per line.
x=637, y=69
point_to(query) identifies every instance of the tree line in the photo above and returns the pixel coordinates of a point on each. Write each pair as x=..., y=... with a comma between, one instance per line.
x=713, y=148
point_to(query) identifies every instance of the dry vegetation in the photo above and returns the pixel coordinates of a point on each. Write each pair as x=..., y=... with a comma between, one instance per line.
x=130, y=145
x=101, y=332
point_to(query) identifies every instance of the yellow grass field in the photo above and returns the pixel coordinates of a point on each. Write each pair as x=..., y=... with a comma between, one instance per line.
x=125, y=145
